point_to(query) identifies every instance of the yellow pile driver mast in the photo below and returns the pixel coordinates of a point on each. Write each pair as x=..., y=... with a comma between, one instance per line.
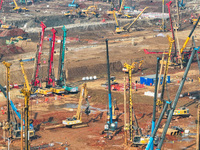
x=27, y=94
x=26, y=85
x=7, y=64
x=129, y=68
x=160, y=101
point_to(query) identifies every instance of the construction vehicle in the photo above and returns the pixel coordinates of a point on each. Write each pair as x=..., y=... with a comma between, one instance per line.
x=12, y=126
x=181, y=4
x=126, y=27
x=50, y=83
x=1, y=4
x=91, y=10
x=4, y=26
x=73, y=13
x=110, y=128
x=61, y=81
x=73, y=4
x=76, y=121
x=160, y=101
x=172, y=107
x=26, y=84
x=114, y=108
x=124, y=69
x=14, y=40
x=182, y=111
x=119, y=12
x=19, y=9
x=35, y=82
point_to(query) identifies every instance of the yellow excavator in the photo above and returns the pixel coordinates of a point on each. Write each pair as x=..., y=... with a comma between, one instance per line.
x=19, y=9
x=91, y=10
x=126, y=27
x=76, y=121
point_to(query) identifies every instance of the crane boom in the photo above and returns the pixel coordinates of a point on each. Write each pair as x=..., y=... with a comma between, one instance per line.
x=50, y=62
x=136, y=19
x=61, y=78
x=35, y=79
x=24, y=74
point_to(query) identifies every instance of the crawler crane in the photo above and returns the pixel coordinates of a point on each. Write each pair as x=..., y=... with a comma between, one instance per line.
x=126, y=27
x=50, y=83
x=61, y=81
x=172, y=108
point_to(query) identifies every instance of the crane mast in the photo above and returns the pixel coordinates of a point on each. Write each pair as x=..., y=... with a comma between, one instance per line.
x=51, y=79
x=61, y=71
x=35, y=79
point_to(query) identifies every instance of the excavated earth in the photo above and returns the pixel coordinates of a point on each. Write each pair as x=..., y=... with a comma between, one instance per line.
x=86, y=57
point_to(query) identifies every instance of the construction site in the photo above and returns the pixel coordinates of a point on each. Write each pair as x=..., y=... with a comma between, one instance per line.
x=93, y=75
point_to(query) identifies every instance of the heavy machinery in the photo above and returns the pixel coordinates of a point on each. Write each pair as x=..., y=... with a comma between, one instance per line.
x=26, y=84
x=181, y=4
x=73, y=4
x=91, y=10
x=126, y=27
x=1, y=4
x=14, y=40
x=114, y=108
x=50, y=83
x=12, y=126
x=160, y=101
x=182, y=111
x=119, y=12
x=61, y=81
x=35, y=82
x=110, y=128
x=19, y=9
x=76, y=121
x=73, y=13
x=172, y=107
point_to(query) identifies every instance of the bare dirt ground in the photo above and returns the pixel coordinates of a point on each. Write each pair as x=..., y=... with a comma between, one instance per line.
x=86, y=59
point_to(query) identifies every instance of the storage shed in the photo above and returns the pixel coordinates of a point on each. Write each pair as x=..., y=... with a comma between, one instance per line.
x=151, y=79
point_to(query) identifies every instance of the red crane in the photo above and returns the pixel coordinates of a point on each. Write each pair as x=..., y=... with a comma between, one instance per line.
x=35, y=80
x=1, y=4
x=51, y=78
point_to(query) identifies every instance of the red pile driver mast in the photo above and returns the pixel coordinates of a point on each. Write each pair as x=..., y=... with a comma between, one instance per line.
x=35, y=80
x=51, y=78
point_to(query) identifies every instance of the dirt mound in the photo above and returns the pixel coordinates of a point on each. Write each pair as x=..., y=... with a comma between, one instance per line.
x=12, y=33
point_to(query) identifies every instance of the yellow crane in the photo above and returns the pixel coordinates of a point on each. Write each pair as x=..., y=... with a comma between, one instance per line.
x=76, y=121
x=26, y=85
x=160, y=101
x=126, y=27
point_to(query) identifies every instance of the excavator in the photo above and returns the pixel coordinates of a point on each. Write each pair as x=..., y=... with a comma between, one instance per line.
x=61, y=81
x=76, y=121
x=19, y=9
x=118, y=13
x=91, y=10
x=126, y=27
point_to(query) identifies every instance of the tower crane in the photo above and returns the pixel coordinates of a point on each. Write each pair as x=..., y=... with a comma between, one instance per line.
x=35, y=79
